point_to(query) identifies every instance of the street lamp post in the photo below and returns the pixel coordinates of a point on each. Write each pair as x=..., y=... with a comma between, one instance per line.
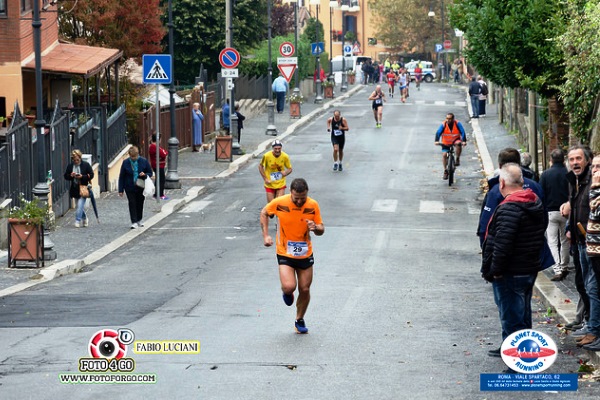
x=319, y=98
x=172, y=177
x=296, y=81
x=344, y=87
x=333, y=4
x=441, y=57
x=41, y=189
x=271, y=128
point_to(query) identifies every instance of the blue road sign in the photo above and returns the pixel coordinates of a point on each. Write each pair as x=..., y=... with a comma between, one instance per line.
x=156, y=68
x=438, y=47
x=317, y=48
x=347, y=49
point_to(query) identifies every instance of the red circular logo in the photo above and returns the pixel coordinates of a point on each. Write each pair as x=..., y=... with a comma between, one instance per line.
x=106, y=344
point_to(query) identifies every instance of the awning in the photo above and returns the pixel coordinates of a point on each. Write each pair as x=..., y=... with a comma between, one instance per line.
x=74, y=59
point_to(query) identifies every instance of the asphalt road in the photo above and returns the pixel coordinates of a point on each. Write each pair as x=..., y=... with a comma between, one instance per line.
x=398, y=308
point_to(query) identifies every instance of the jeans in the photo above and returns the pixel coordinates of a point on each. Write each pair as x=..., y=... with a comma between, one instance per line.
x=80, y=210
x=557, y=240
x=591, y=288
x=475, y=105
x=512, y=295
x=280, y=101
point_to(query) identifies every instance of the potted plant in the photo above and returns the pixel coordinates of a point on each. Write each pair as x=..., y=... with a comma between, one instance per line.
x=328, y=88
x=25, y=233
x=295, y=99
x=351, y=74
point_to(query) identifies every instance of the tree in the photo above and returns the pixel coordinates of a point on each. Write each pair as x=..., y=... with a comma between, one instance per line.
x=311, y=31
x=132, y=26
x=581, y=89
x=199, y=33
x=282, y=18
x=512, y=42
x=405, y=26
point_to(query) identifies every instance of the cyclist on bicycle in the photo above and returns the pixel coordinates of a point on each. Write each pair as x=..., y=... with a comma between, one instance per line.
x=418, y=75
x=450, y=132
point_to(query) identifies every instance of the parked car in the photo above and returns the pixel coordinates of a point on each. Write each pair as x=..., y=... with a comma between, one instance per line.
x=427, y=66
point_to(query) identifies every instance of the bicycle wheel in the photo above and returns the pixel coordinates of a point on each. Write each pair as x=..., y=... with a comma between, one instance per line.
x=451, y=168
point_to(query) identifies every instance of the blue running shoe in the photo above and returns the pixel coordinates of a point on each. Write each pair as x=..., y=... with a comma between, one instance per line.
x=288, y=299
x=301, y=326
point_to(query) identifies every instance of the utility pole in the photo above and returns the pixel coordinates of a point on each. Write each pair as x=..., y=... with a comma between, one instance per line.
x=172, y=177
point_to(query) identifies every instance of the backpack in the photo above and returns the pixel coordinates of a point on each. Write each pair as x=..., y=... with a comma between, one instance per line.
x=484, y=89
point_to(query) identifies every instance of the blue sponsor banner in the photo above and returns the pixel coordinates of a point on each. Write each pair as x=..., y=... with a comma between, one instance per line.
x=527, y=382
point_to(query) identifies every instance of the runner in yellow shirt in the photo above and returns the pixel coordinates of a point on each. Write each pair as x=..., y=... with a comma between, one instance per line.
x=298, y=215
x=274, y=167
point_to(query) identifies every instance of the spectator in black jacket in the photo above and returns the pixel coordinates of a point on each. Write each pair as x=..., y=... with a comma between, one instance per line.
x=474, y=92
x=511, y=251
x=578, y=212
x=555, y=185
x=80, y=173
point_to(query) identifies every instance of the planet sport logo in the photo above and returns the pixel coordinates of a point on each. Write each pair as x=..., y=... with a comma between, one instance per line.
x=528, y=351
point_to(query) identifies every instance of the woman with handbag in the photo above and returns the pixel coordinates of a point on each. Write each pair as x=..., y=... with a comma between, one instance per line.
x=132, y=177
x=80, y=173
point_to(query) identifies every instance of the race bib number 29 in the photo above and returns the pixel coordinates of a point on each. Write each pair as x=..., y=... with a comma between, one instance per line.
x=275, y=176
x=297, y=248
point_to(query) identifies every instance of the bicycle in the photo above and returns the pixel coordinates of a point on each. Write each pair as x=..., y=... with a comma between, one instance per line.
x=452, y=161
x=451, y=165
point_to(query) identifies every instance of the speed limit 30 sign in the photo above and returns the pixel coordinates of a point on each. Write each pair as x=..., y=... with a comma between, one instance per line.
x=286, y=49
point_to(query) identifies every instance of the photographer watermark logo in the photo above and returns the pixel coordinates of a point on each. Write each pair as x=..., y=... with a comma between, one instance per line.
x=528, y=351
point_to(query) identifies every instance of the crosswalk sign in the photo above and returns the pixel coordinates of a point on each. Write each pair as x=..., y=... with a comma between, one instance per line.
x=156, y=68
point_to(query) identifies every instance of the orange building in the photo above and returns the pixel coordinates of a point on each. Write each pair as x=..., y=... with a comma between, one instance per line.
x=59, y=61
x=356, y=16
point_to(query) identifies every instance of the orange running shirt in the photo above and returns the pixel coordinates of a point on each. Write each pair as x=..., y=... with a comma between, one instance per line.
x=293, y=236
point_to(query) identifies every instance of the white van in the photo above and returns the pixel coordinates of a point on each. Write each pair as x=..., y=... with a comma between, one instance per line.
x=352, y=63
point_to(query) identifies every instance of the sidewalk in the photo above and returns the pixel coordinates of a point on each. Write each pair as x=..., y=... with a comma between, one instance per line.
x=77, y=248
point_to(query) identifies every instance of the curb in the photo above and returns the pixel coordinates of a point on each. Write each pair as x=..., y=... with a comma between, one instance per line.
x=74, y=266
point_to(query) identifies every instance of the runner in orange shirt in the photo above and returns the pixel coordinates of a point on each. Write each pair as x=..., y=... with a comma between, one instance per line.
x=298, y=215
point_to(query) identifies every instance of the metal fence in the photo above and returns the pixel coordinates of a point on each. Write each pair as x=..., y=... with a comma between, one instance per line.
x=16, y=160
x=89, y=130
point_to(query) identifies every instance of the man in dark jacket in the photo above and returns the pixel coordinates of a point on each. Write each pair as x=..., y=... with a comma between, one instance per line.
x=555, y=185
x=474, y=92
x=578, y=211
x=494, y=197
x=511, y=251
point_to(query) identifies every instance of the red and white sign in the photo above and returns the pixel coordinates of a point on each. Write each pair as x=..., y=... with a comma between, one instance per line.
x=356, y=49
x=229, y=57
x=287, y=70
x=447, y=44
x=286, y=49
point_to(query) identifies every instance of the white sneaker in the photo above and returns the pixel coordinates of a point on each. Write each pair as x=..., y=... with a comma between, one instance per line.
x=140, y=223
x=134, y=225
x=85, y=222
x=77, y=224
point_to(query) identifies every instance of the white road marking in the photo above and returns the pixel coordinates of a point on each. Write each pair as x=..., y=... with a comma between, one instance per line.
x=473, y=209
x=385, y=205
x=376, y=251
x=195, y=206
x=431, y=207
x=234, y=206
x=440, y=103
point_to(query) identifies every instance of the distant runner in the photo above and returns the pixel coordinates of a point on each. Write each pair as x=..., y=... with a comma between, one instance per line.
x=378, y=98
x=338, y=126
